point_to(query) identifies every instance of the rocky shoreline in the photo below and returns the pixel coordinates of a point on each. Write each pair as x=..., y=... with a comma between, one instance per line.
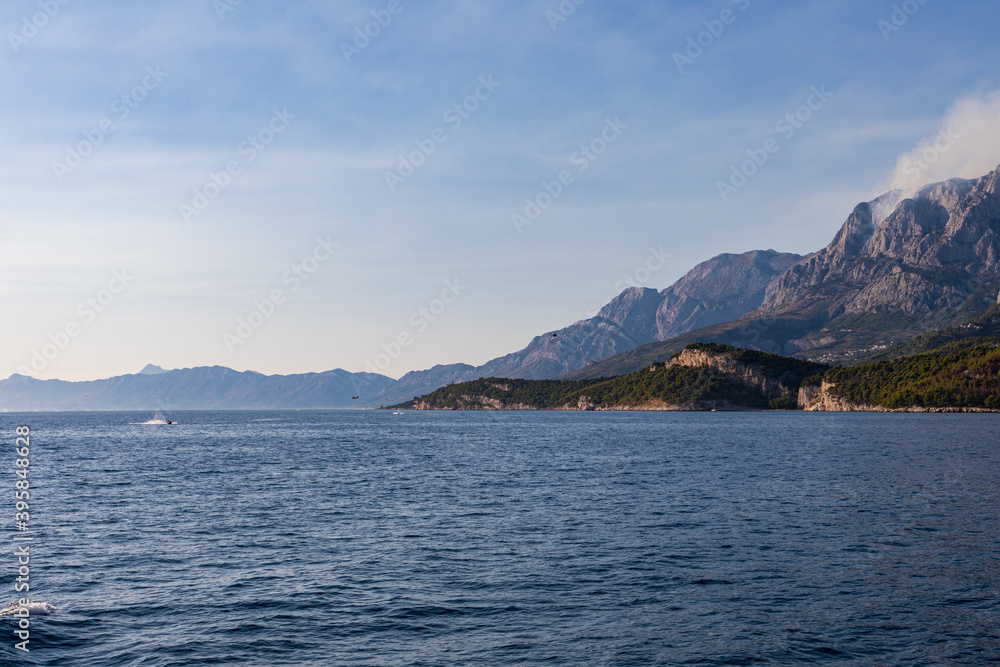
x=822, y=399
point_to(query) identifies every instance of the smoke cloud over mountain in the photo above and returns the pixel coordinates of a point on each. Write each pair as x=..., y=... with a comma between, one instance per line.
x=967, y=145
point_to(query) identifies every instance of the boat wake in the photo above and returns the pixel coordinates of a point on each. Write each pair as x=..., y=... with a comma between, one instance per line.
x=157, y=420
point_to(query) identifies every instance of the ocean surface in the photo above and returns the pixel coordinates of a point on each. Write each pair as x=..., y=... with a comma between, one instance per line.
x=368, y=538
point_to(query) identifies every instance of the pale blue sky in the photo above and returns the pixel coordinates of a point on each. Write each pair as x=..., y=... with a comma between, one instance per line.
x=219, y=81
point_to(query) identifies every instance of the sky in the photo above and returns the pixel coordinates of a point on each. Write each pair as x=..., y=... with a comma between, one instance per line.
x=389, y=185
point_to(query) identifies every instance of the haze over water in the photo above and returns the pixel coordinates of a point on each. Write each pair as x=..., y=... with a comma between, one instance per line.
x=367, y=538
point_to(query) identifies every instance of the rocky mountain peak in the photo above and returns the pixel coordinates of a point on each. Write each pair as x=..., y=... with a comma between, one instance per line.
x=882, y=261
x=635, y=311
x=852, y=237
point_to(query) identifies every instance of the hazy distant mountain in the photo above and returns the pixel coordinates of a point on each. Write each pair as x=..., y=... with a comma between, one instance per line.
x=415, y=383
x=214, y=388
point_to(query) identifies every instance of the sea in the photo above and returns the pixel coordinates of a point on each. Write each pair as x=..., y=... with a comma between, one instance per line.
x=521, y=538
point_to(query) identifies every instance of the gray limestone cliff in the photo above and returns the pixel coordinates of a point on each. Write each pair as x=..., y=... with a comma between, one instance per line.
x=931, y=253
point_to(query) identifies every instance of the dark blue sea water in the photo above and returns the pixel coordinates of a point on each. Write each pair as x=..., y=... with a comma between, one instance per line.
x=367, y=538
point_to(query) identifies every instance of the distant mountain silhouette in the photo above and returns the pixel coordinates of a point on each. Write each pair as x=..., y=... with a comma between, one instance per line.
x=215, y=388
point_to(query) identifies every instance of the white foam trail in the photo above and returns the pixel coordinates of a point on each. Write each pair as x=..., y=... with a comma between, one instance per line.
x=157, y=420
x=34, y=608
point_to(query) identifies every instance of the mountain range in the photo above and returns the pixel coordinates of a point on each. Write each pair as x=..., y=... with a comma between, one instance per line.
x=927, y=262
x=214, y=388
x=715, y=291
x=900, y=266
